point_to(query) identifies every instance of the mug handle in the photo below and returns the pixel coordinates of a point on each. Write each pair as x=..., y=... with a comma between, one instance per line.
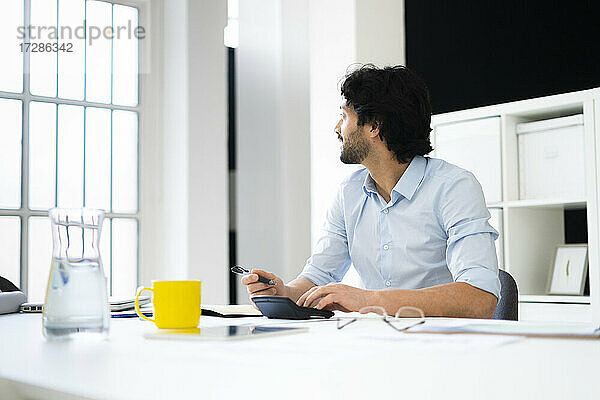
x=137, y=304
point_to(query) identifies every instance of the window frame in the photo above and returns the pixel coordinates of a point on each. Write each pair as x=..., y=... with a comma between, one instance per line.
x=25, y=96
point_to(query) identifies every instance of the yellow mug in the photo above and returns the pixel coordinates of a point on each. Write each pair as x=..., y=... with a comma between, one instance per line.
x=176, y=304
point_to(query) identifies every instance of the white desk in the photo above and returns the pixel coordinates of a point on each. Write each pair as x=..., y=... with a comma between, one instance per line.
x=323, y=363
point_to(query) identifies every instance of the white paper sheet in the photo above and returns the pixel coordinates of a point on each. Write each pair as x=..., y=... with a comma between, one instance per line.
x=508, y=328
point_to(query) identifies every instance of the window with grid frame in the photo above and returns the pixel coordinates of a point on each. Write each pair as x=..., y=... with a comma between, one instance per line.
x=69, y=137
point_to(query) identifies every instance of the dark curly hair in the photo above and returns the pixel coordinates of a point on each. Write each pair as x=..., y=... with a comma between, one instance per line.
x=395, y=99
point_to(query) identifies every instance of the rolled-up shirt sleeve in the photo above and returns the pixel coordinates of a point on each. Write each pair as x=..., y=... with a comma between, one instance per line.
x=330, y=260
x=470, y=252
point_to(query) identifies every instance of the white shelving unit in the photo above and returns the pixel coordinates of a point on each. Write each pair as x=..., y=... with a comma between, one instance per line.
x=530, y=228
x=531, y=298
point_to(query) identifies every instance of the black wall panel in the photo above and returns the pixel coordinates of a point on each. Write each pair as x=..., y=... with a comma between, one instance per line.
x=474, y=53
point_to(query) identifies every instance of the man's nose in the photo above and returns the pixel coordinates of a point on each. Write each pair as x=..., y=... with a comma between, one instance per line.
x=337, y=127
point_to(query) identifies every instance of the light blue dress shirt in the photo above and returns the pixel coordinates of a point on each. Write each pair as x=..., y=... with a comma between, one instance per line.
x=434, y=230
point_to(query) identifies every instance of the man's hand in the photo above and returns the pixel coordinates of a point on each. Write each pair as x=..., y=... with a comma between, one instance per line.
x=255, y=287
x=336, y=296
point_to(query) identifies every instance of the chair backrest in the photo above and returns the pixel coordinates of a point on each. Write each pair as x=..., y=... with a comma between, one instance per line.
x=7, y=286
x=11, y=297
x=508, y=306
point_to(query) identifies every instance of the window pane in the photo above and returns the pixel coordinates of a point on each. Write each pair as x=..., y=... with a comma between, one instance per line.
x=43, y=63
x=71, y=65
x=124, y=259
x=40, y=257
x=11, y=68
x=125, y=161
x=10, y=249
x=98, y=63
x=42, y=155
x=125, y=56
x=10, y=153
x=70, y=156
x=97, y=158
x=105, y=250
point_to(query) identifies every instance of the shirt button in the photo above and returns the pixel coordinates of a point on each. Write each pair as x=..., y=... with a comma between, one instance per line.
x=388, y=283
x=386, y=211
x=386, y=247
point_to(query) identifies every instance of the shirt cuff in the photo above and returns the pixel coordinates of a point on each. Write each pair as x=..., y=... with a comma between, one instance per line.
x=481, y=278
x=315, y=275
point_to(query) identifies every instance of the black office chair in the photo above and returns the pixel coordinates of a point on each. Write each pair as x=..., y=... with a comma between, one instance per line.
x=7, y=286
x=11, y=297
x=508, y=306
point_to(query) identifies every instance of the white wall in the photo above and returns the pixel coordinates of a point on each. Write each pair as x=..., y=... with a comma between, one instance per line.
x=290, y=59
x=183, y=147
x=273, y=150
x=380, y=34
x=332, y=51
x=363, y=31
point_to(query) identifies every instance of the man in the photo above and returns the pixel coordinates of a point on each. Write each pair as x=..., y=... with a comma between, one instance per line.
x=415, y=228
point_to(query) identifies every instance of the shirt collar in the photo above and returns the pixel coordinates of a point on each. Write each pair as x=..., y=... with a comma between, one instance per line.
x=407, y=184
x=369, y=185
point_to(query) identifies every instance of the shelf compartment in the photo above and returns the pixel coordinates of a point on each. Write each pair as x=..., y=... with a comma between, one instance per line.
x=530, y=244
x=555, y=312
x=575, y=203
x=547, y=298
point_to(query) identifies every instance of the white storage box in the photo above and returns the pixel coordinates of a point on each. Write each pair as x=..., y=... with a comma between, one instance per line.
x=475, y=146
x=552, y=159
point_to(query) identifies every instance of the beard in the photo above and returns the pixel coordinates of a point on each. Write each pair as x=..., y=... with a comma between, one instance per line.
x=354, y=148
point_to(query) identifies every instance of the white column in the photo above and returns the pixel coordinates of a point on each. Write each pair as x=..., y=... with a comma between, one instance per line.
x=163, y=143
x=273, y=150
x=183, y=140
x=175, y=130
x=295, y=132
x=207, y=197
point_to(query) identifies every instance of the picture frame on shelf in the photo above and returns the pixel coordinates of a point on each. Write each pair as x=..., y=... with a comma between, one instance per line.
x=568, y=270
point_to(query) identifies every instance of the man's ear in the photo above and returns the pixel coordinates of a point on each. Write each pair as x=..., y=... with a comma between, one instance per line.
x=374, y=131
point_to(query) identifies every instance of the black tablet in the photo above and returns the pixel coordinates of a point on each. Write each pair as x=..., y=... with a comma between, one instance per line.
x=284, y=308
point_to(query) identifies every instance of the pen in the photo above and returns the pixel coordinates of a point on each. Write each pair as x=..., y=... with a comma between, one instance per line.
x=243, y=271
x=130, y=315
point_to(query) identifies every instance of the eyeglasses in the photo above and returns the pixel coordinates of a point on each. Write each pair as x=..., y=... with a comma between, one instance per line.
x=405, y=318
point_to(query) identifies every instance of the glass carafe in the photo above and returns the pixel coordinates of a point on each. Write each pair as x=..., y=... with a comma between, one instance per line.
x=76, y=301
